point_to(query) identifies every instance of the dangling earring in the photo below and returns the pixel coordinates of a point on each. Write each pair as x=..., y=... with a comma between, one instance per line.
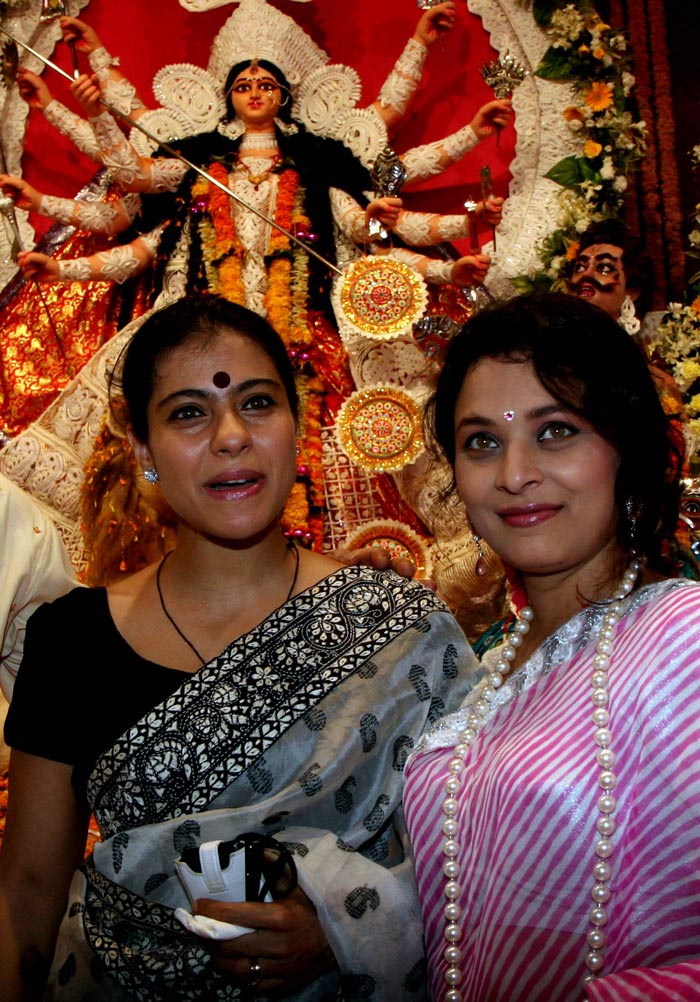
x=151, y=475
x=480, y=566
x=633, y=511
x=302, y=468
x=629, y=321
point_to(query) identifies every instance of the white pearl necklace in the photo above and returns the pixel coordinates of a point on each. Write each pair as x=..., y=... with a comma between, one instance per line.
x=605, y=759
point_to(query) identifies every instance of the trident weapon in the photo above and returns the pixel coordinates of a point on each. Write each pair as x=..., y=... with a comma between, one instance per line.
x=478, y=294
x=388, y=175
x=178, y=156
x=503, y=74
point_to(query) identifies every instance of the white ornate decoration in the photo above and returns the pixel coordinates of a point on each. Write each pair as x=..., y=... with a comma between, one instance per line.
x=190, y=90
x=543, y=138
x=328, y=93
x=363, y=132
x=256, y=30
x=166, y=124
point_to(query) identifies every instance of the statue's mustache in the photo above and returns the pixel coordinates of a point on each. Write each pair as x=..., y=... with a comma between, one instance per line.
x=594, y=282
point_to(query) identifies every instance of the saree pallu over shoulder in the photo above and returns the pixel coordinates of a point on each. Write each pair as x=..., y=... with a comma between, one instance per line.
x=188, y=750
x=300, y=729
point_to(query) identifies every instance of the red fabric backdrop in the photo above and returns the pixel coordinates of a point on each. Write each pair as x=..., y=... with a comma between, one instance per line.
x=364, y=34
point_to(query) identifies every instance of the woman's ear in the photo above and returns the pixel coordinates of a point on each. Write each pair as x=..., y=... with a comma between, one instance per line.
x=140, y=450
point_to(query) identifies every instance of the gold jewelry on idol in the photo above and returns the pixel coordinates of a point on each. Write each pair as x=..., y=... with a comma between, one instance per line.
x=257, y=179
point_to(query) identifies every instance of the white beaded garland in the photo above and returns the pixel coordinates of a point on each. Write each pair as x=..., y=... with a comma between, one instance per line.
x=596, y=937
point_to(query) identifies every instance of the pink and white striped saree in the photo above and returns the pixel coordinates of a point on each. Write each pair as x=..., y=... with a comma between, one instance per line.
x=528, y=814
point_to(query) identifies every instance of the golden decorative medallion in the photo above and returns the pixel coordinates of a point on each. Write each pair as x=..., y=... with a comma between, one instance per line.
x=379, y=297
x=380, y=428
x=399, y=539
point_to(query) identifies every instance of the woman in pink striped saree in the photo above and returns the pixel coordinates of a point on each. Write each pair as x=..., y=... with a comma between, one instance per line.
x=555, y=817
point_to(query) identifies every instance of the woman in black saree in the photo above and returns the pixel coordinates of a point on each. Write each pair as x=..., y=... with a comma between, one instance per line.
x=240, y=684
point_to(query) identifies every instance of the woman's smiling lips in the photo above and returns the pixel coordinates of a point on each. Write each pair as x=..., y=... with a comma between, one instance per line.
x=522, y=516
x=236, y=484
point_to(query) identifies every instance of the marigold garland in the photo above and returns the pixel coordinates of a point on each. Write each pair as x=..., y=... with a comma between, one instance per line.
x=286, y=299
x=296, y=510
x=222, y=250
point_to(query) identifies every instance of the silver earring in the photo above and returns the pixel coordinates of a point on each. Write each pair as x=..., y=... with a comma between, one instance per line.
x=151, y=475
x=480, y=567
x=633, y=511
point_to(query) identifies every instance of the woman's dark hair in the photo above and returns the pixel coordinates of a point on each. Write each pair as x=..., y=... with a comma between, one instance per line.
x=194, y=318
x=591, y=366
x=285, y=109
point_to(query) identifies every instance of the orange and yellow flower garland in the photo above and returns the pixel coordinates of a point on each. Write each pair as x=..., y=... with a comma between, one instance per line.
x=222, y=250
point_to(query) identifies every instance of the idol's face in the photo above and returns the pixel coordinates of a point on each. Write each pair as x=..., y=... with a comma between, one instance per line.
x=256, y=96
x=222, y=437
x=599, y=276
x=538, y=481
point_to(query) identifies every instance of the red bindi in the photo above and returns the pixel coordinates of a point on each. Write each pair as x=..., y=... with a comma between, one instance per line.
x=221, y=380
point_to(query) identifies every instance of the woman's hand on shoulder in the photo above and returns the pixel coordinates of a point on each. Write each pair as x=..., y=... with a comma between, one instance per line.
x=288, y=943
x=377, y=557
x=380, y=559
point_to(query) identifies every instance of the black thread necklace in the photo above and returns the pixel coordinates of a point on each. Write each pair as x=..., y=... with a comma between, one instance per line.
x=291, y=545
